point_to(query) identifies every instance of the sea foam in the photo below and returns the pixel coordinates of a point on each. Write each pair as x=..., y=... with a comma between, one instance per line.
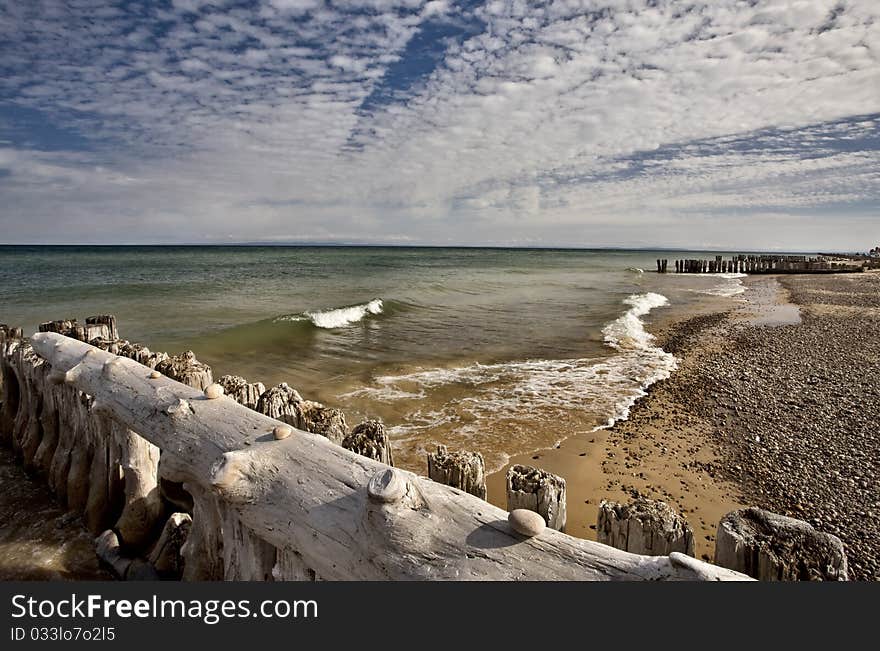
x=533, y=391
x=337, y=317
x=729, y=286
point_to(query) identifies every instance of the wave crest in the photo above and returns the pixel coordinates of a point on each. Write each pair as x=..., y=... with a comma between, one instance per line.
x=521, y=391
x=337, y=317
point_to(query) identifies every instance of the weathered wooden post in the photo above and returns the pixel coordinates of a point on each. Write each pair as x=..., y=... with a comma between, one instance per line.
x=644, y=526
x=773, y=547
x=166, y=556
x=537, y=490
x=296, y=506
x=240, y=390
x=463, y=470
x=370, y=439
x=280, y=402
x=186, y=369
x=102, y=326
x=320, y=419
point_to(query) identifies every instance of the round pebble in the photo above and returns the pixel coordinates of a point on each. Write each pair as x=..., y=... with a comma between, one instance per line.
x=214, y=391
x=282, y=432
x=526, y=523
x=155, y=375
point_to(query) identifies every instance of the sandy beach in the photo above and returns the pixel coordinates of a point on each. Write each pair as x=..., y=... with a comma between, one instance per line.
x=775, y=404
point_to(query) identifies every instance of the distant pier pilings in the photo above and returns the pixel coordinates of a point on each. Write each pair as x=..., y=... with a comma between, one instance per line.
x=763, y=264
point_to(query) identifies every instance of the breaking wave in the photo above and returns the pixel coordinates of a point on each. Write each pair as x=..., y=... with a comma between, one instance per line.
x=337, y=317
x=533, y=393
x=730, y=285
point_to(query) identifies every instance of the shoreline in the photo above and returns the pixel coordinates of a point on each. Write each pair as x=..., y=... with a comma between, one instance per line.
x=775, y=404
x=639, y=455
x=745, y=419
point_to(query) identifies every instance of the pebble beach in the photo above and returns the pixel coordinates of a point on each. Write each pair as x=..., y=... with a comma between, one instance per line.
x=776, y=404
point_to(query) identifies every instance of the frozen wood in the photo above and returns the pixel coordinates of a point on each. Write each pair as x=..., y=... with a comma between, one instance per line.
x=240, y=390
x=773, y=547
x=370, y=439
x=537, y=490
x=305, y=495
x=644, y=526
x=463, y=470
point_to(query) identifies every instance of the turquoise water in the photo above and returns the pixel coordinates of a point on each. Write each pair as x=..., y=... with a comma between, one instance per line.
x=497, y=350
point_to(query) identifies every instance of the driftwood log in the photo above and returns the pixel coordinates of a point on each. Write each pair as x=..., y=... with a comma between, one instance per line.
x=537, y=490
x=463, y=470
x=303, y=508
x=644, y=526
x=773, y=547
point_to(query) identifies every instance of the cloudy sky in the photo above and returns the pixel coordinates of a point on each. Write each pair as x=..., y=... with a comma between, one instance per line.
x=725, y=123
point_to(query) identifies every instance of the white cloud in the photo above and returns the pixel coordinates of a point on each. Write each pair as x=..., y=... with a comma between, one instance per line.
x=556, y=119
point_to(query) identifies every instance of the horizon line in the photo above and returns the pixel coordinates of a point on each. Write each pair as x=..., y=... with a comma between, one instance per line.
x=438, y=246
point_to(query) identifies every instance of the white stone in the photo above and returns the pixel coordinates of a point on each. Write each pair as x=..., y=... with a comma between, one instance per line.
x=213, y=392
x=527, y=523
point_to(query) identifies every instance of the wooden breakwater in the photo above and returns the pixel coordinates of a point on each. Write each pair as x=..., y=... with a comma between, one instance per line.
x=178, y=478
x=762, y=264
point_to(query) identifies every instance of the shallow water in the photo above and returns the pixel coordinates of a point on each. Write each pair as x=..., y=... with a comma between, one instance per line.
x=496, y=350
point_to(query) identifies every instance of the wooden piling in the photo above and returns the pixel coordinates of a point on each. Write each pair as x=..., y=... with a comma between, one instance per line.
x=537, y=490
x=773, y=547
x=370, y=439
x=644, y=526
x=463, y=470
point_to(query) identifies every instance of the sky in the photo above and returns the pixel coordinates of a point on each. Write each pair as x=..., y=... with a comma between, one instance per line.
x=750, y=124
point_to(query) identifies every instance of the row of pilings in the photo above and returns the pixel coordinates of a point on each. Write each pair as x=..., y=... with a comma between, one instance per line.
x=758, y=264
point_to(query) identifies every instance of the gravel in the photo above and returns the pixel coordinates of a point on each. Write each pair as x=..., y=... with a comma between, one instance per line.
x=795, y=409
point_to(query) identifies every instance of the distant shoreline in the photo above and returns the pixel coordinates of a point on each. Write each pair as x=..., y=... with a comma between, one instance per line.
x=451, y=247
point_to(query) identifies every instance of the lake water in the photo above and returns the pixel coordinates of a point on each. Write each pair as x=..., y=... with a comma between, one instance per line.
x=499, y=351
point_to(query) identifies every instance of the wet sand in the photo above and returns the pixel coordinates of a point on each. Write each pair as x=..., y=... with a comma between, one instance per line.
x=665, y=450
x=38, y=540
x=661, y=451
x=775, y=404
